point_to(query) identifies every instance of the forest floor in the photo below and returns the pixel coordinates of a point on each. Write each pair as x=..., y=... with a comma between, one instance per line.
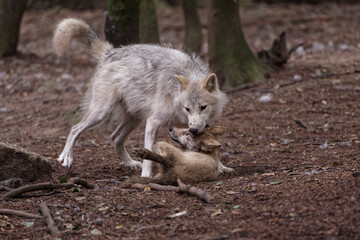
x=289, y=182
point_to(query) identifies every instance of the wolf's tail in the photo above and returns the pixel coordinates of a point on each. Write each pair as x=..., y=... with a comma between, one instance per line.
x=71, y=28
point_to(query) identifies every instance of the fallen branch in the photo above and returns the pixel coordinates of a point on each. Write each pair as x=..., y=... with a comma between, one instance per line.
x=51, y=226
x=182, y=188
x=19, y=213
x=18, y=192
x=195, y=191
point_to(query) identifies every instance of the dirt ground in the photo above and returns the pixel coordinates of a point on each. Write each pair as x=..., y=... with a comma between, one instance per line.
x=289, y=182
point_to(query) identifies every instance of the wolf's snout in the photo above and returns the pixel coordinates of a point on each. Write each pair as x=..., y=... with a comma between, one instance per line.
x=171, y=129
x=193, y=130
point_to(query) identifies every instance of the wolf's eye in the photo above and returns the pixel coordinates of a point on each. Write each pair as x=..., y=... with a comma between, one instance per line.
x=187, y=109
x=203, y=107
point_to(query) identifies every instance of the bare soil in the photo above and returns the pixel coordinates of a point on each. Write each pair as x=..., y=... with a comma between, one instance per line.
x=289, y=182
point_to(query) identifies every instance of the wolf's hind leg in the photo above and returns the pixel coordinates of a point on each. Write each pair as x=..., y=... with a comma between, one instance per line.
x=89, y=120
x=127, y=125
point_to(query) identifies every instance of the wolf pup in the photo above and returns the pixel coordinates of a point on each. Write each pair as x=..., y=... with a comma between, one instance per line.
x=199, y=161
x=146, y=82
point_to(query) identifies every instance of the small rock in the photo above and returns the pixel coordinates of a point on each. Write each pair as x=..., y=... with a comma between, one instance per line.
x=343, y=47
x=323, y=146
x=301, y=51
x=266, y=98
x=317, y=47
x=65, y=76
x=297, y=77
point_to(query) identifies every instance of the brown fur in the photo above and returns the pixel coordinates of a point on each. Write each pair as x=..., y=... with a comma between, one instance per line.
x=197, y=163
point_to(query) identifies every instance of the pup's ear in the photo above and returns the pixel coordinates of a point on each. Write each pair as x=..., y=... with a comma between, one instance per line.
x=210, y=83
x=183, y=81
x=217, y=130
x=208, y=145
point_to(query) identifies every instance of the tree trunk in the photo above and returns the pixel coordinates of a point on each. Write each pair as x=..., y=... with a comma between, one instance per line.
x=230, y=56
x=193, y=36
x=122, y=22
x=10, y=18
x=148, y=29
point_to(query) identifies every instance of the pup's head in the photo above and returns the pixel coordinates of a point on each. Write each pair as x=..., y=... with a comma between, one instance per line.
x=204, y=142
x=200, y=102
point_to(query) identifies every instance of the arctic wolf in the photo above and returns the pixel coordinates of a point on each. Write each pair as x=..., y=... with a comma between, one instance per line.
x=199, y=161
x=149, y=83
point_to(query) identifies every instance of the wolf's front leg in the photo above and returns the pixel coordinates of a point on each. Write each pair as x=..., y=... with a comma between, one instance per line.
x=152, y=125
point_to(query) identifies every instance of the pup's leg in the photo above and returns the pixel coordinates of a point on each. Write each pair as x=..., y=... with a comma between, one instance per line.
x=147, y=154
x=90, y=119
x=223, y=168
x=127, y=125
x=152, y=125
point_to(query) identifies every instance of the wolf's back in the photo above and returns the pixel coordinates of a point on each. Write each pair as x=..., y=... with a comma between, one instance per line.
x=71, y=28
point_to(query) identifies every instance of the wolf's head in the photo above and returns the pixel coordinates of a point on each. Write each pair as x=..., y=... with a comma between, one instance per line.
x=204, y=142
x=200, y=102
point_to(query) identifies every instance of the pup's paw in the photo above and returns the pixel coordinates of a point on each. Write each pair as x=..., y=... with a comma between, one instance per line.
x=134, y=164
x=140, y=152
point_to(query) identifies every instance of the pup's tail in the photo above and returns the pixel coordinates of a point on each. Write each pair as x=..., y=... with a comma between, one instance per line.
x=71, y=28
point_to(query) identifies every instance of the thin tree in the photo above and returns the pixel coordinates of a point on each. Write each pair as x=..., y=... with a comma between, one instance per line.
x=131, y=21
x=193, y=36
x=10, y=18
x=230, y=56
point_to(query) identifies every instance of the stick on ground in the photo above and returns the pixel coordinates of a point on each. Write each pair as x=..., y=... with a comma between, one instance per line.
x=182, y=188
x=195, y=191
x=18, y=192
x=51, y=226
x=19, y=213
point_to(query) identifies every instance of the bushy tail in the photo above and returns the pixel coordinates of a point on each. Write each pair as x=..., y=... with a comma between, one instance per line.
x=71, y=28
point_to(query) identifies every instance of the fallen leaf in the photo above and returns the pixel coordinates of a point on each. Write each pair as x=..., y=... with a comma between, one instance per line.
x=28, y=224
x=96, y=232
x=275, y=183
x=268, y=174
x=147, y=189
x=119, y=226
x=218, y=212
x=103, y=208
x=231, y=192
x=179, y=214
x=219, y=183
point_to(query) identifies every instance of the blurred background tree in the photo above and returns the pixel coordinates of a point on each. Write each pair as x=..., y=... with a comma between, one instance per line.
x=10, y=18
x=230, y=56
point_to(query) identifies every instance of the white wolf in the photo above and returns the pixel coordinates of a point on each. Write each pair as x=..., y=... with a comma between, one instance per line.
x=149, y=83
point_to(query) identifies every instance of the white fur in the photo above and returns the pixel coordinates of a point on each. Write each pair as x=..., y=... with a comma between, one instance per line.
x=136, y=83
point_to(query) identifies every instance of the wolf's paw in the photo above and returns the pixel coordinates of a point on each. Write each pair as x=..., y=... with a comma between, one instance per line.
x=227, y=169
x=134, y=164
x=140, y=152
x=66, y=159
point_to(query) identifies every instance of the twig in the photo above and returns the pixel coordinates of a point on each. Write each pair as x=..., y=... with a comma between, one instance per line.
x=302, y=124
x=150, y=226
x=159, y=187
x=19, y=213
x=241, y=87
x=51, y=226
x=182, y=188
x=195, y=191
x=43, y=186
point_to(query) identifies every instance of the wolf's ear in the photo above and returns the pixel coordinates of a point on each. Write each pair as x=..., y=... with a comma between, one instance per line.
x=183, y=81
x=217, y=130
x=208, y=145
x=210, y=83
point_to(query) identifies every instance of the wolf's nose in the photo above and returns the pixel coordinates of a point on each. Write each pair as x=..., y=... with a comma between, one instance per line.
x=193, y=130
x=171, y=128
